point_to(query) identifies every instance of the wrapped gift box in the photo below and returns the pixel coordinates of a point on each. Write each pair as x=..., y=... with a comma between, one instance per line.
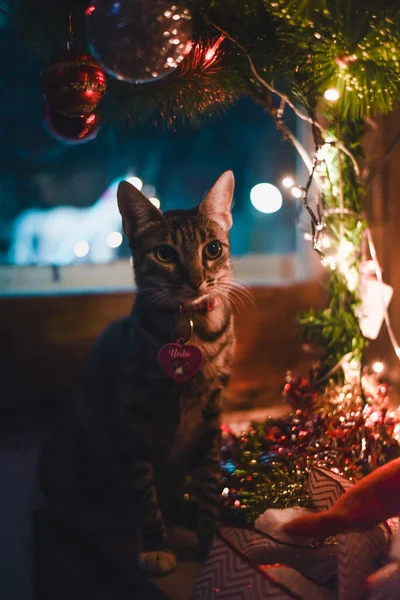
x=262, y=563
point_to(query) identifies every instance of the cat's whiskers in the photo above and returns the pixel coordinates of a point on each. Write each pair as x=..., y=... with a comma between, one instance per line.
x=234, y=302
x=239, y=287
x=235, y=291
x=244, y=289
x=232, y=295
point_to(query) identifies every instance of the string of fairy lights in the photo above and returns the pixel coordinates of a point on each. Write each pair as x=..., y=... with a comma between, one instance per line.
x=338, y=253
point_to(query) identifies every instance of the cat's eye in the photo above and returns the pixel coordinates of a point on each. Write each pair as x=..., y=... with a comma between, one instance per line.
x=213, y=250
x=165, y=254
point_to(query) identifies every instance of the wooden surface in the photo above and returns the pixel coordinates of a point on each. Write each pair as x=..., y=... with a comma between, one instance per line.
x=44, y=340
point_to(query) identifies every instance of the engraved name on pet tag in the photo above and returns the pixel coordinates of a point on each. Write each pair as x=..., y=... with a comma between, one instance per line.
x=180, y=361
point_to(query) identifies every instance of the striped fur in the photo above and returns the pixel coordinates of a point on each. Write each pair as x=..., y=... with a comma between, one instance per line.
x=130, y=435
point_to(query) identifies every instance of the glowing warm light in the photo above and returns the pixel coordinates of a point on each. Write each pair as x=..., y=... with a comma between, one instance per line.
x=378, y=366
x=266, y=198
x=210, y=54
x=114, y=239
x=329, y=261
x=296, y=192
x=90, y=10
x=308, y=237
x=81, y=249
x=225, y=492
x=287, y=182
x=326, y=241
x=188, y=47
x=90, y=119
x=138, y=183
x=346, y=249
x=155, y=202
x=332, y=94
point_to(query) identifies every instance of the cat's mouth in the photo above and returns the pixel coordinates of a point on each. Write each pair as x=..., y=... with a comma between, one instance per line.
x=202, y=304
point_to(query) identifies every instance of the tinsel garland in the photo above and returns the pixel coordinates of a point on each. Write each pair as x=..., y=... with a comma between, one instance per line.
x=267, y=465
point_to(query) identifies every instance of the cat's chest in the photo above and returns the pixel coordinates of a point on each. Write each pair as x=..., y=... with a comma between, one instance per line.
x=180, y=436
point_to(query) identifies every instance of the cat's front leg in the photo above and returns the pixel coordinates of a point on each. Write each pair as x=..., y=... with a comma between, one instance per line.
x=134, y=471
x=155, y=557
x=206, y=483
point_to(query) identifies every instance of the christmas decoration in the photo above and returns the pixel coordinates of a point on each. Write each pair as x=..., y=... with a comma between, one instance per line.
x=139, y=40
x=343, y=428
x=73, y=84
x=67, y=130
x=346, y=46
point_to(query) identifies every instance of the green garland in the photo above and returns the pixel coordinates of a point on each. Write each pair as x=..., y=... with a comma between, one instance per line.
x=336, y=329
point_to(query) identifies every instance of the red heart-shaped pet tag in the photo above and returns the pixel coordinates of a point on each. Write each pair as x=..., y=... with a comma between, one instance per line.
x=180, y=361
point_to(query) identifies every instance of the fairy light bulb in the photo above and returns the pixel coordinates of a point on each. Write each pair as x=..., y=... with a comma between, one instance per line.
x=323, y=150
x=329, y=261
x=296, y=192
x=378, y=367
x=326, y=242
x=332, y=94
x=288, y=182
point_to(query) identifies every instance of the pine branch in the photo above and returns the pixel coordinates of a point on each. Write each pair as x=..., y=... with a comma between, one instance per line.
x=202, y=86
x=353, y=46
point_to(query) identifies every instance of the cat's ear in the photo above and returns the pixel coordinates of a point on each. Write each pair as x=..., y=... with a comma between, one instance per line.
x=136, y=210
x=216, y=206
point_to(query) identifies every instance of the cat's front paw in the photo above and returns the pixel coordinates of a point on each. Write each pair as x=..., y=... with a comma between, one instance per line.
x=158, y=562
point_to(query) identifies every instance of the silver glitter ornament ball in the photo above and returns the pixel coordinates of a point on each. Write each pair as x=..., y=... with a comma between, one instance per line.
x=139, y=40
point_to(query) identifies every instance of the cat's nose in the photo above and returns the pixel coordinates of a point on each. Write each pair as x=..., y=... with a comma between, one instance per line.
x=195, y=283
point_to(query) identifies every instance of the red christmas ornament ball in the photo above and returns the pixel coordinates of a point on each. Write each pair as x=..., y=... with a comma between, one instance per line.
x=72, y=130
x=73, y=84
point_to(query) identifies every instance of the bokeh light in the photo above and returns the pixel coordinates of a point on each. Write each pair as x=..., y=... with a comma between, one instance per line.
x=332, y=95
x=81, y=249
x=114, y=239
x=266, y=198
x=136, y=181
x=155, y=202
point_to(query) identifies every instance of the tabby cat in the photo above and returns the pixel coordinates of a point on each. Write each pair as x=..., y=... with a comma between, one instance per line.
x=130, y=434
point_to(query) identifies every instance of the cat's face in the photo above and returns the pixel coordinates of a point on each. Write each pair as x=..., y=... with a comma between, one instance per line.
x=180, y=257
